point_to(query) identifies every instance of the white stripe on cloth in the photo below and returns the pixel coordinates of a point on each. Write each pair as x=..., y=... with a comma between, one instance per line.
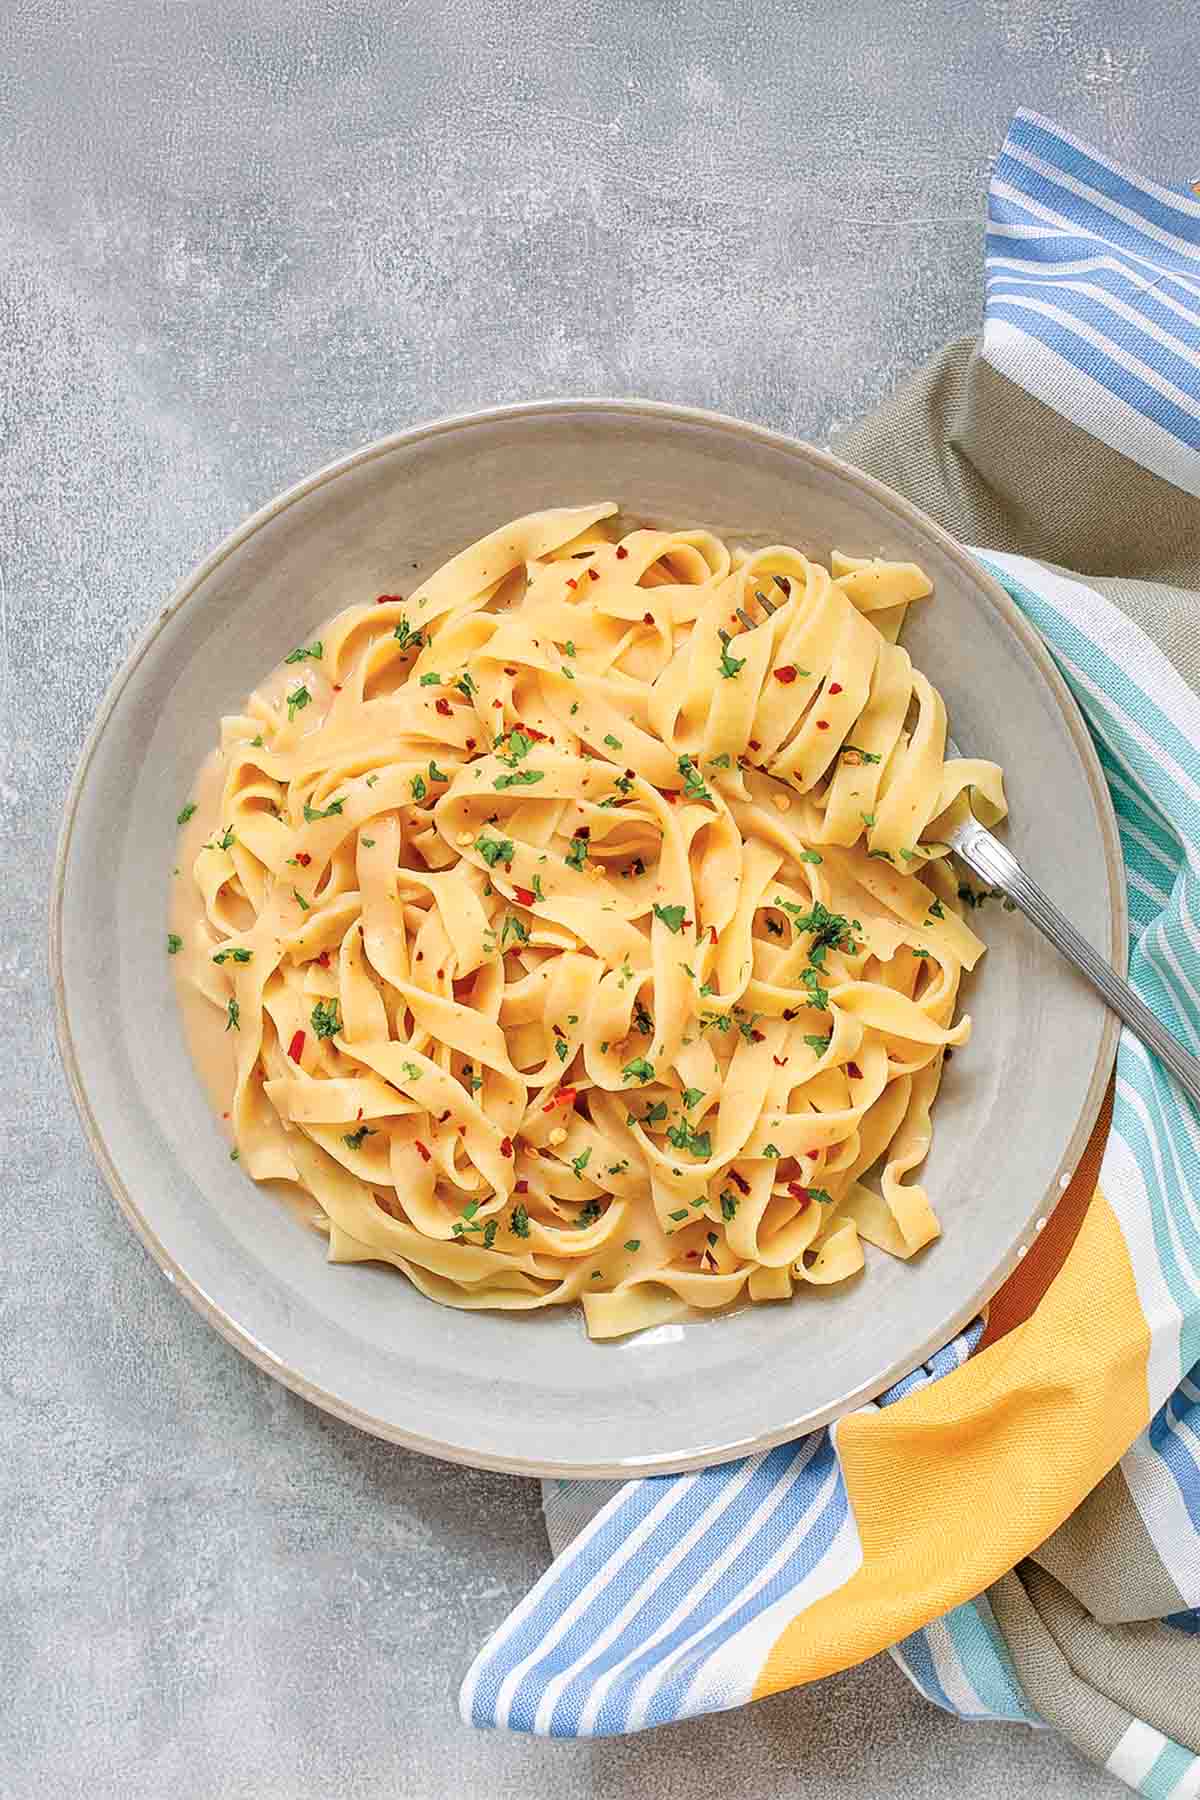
x=1136, y=1753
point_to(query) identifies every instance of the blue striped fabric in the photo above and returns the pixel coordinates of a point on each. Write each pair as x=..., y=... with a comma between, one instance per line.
x=1093, y=295
x=667, y=1603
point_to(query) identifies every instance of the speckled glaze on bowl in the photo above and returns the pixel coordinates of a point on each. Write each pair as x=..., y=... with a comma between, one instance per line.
x=530, y=1393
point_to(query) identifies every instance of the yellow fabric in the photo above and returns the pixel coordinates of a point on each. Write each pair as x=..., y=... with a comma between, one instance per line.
x=963, y=1478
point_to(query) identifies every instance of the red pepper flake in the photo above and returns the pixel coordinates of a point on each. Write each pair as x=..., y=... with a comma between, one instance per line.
x=584, y=832
x=224, y=1115
x=421, y=1149
x=497, y=703
x=792, y=1012
x=799, y=1192
x=669, y=795
x=854, y=1070
x=622, y=553
x=510, y=671
x=303, y=858
x=524, y=896
x=692, y=1255
x=506, y=1146
x=595, y=574
x=712, y=932
x=739, y=1182
x=754, y=744
x=647, y=618
x=780, y=1062
x=571, y=581
x=470, y=743
x=296, y=1047
x=442, y=706
x=835, y=687
x=758, y=1037
x=358, y=1114
x=564, y=1097
x=822, y=724
x=539, y=737
x=522, y=1187
x=337, y=687
x=323, y=959
x=786, y=673
x=386, y=599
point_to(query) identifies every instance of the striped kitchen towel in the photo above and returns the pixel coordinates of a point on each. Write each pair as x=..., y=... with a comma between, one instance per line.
x=1020, y=1520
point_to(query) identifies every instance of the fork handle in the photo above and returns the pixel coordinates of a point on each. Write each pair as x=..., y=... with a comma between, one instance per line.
x=989, y=858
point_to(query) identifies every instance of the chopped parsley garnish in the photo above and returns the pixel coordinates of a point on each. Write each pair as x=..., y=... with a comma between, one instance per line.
x=235, y=1155
x=233, y=1020
x=569, y=647
x=560, y=1049
x=238, y=956
x=312, y=813
x=654, y=1115
x=174, y=943
x=419, y=790
x=301, y=902
x=722, y=1021
x=671, y=916
x=694, y=787
x=368, y=842
x=730, y=665
x=513, y=927
x=937, y=910
x=466, y=686
x=326, y=1019
x=699, y=1143
x=297, y=700
x=867, y=756
x=614, y=743
x=746, y=1027
x=681, y=1214
x=920, y=952
x=631, y=1244
x=822, y=1195
x=810, y=856
x=410, y=1069
x=579, y=1163
x=519, y=1223
x=226, y=840
x=538, y=895
x=618, y=1168
x=819, y=1044
x=489, y=1233
x=574, y=707
x=520, y=778
x=371, y=780
x=315, y=650
x=256, y=742
x=354, y=1139
x=729, y=1204
x=494, y=850
x=642, y=1020
x=435, y=774
x=432, y=679
x=577, y=855
x=719, y=762
x=406, y=637
x=909, y=855
x=773, y=1151
x=588, y=1214
x=638, y=1070
x=883, y=855
x=519, y=745
x=692, y=1097
x=185, y=813
x=868, y=819
x=817, y=995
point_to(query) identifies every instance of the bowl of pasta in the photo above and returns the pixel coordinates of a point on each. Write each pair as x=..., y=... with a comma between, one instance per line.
x=552, y=1031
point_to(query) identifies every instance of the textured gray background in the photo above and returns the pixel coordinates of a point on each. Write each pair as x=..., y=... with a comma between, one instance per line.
x=238, y=237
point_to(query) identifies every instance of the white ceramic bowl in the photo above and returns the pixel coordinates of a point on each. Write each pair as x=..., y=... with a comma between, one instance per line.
x=530, y=1393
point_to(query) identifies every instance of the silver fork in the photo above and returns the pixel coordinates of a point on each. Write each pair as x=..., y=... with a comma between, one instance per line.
x=988, y=858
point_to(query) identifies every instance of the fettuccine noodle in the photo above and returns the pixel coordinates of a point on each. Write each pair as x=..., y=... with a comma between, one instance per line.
x=573, y=942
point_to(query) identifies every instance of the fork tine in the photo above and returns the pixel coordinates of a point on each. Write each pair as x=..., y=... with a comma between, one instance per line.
x=744, y=616
x=783, y=584
x=768, y=606
x=724, y=636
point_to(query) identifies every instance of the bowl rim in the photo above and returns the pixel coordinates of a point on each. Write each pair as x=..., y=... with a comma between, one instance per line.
x=238, y=1334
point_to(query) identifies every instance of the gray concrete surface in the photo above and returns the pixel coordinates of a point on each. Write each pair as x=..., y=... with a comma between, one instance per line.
x=236, y=238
